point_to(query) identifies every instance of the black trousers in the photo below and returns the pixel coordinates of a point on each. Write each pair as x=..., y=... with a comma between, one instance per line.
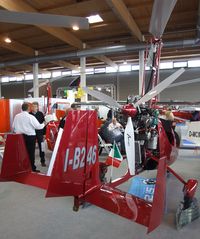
x=30, y=145
x=40, y=140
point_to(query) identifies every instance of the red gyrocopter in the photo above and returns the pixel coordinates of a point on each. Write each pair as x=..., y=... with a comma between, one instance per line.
x=76, y=170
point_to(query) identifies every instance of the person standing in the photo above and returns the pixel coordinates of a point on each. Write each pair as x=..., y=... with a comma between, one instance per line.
x=62, y=121
x=39, y=132
x=26, y=124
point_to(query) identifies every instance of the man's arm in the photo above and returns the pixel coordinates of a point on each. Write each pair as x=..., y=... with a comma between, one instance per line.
x=35, y=123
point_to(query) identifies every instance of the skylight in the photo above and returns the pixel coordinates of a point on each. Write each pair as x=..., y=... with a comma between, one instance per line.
x=66, y=73
x=13, y=78
x=89, y=71
x=56, y=73
x=5, y=79
x=125, y=67
x=20, y=78
x=110, y=69
x=100, y=70
x=75, y=73
x=194, y=63
x=135, y=67
x=166, y=65
x=94, y=19
x=29, y=77
x=180, y=64
x=46, y=75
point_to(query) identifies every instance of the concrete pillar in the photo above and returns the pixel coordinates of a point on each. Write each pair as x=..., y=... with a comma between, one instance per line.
x=83, y=75
x=141, y=71
x=35, y=79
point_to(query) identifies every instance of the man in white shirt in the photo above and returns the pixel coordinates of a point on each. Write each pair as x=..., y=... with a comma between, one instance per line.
x=26, y=124
x=114, y=125
x=116, y=133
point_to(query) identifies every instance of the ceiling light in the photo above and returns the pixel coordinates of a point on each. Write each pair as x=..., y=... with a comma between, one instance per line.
x=7, y=40
x=75, y=28
x=94, y=19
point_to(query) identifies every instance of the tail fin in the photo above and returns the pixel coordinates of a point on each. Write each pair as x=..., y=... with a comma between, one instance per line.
x=159, y=196
x=16, y=165
x=15, y=161
x=76, y=167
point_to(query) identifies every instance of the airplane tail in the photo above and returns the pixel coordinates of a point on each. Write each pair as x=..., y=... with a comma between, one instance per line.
x=159, y=198
x=16, y=164
x=15, y=161
x=76, y=168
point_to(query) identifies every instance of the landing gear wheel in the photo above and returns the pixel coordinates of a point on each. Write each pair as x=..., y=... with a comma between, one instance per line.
x=185, y=216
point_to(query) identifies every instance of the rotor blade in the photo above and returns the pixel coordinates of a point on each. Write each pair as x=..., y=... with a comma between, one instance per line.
x=102, y=97
x=160, y=87
x=40, y=85
x=186, y=82
x=33, y=18
x=161, y=12
x=51, y=80
x=129, y=141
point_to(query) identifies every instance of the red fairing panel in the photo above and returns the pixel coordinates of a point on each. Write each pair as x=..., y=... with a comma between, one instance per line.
x=131, y=207
x=51, y=134
x=15, y=158
x=159, y=196
x=76, y=166
x=121, y=203
x=92, y=160
x=16, y=164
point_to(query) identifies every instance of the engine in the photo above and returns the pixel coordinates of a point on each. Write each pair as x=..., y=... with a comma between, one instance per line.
x=145, y=121
x=146, y=137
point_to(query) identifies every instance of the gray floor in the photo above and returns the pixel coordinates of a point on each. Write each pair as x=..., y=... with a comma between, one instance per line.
x=26, y=214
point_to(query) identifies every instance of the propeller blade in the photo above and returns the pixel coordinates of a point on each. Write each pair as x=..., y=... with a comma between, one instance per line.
x=160, y=87
x=129, y=140
x=34, y=18
x=102, y=97
x=161, y=12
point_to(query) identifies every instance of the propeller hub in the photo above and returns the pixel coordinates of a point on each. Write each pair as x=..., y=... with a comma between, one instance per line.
x=129, y=110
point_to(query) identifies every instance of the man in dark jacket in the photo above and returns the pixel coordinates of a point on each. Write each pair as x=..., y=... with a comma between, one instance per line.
x=39, y=133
